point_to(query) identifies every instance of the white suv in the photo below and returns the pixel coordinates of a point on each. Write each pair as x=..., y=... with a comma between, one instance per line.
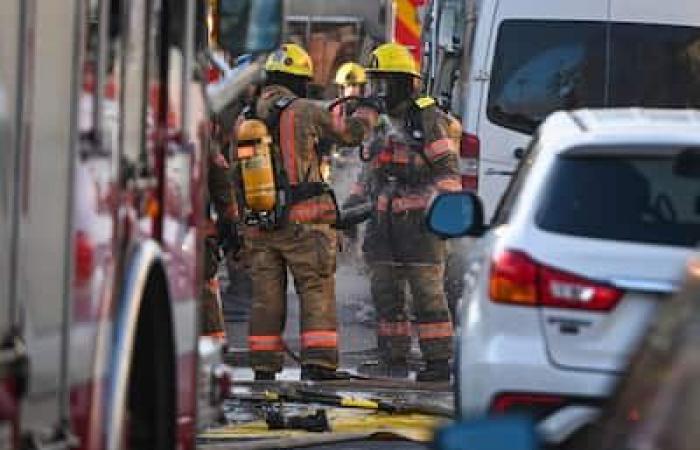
x=590, y=236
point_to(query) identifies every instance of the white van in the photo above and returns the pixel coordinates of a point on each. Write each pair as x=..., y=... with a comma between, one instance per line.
x=531, y=57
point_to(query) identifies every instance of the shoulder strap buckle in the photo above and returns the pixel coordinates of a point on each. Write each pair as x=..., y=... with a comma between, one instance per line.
x=283, y=102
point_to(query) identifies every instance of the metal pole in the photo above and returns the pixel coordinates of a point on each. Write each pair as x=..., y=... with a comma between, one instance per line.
x=67, y=313
x=101, y=68
x=187, y=68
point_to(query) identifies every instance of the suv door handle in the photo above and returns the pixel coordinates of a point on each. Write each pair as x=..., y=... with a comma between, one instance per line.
x=508, y=173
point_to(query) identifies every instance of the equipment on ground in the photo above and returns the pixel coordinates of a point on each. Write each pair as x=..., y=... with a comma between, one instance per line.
x=309, y=395
x=317, y=422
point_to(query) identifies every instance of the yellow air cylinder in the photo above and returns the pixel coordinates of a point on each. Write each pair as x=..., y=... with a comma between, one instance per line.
x=257, y=171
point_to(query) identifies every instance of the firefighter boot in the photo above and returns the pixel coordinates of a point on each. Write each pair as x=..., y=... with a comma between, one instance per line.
x=436, y=370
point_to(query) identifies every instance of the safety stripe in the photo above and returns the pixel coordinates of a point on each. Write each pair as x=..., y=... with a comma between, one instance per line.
x=440, y=148
x=397, y=154
x=407, y=27
x=265, y=343
x=389, y=329
x=450, y=183
x=400, y=154
x=288, y=145
x=407, y=14
x=313, y=211
x=319, y=339
x=435, y=330
x=403, y=204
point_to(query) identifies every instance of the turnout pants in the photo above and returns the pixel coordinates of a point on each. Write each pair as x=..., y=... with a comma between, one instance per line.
x=211, y=318
x=432, y=316
x=211, y=315
x=309, y=252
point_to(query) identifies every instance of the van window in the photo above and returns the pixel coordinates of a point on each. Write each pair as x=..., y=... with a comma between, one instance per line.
x=543, y=66
x=655, y=66
x=635, y=199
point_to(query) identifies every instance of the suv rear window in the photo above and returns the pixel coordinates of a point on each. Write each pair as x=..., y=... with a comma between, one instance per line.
x=543, y=66
x=639, y=199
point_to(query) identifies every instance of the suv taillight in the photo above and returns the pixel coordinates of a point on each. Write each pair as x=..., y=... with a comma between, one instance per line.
x=513, y=278
x=564, y=290
x=517, y=278
x=537, y=405
x=469, y=152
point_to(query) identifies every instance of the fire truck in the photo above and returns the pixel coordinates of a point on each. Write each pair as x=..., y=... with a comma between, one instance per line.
x=101, y=188
x=335, y=32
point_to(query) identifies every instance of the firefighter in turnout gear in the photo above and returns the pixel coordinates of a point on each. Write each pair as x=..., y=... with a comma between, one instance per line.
x=293, y=231
x=351, y=79
x=222, y=234
x=410, y=159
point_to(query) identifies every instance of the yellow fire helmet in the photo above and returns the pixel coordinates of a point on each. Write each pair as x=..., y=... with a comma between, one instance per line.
x=290, y=59
x=350, y=74
x=392, y=58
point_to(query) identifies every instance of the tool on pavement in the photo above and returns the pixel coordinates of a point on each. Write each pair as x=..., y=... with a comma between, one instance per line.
x=317, y=422
x=313, y=396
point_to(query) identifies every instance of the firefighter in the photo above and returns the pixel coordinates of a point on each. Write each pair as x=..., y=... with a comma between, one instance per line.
x=222, y=233
x=351, y=80
x=289, y=227
x=411, y=158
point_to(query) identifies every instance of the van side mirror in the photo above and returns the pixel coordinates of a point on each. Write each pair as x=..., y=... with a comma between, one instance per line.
x=249, y=26
x=456, y=214
x=492, y=433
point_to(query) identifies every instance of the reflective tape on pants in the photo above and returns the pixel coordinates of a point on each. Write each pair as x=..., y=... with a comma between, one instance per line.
x=388, y=329
x=313, y=211
x=265, y=343
x=435, y=330
x=319, y=339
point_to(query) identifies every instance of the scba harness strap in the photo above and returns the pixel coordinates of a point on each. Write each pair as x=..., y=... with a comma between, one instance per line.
x=415, y=125
x=292, y=188
x=415, y=128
